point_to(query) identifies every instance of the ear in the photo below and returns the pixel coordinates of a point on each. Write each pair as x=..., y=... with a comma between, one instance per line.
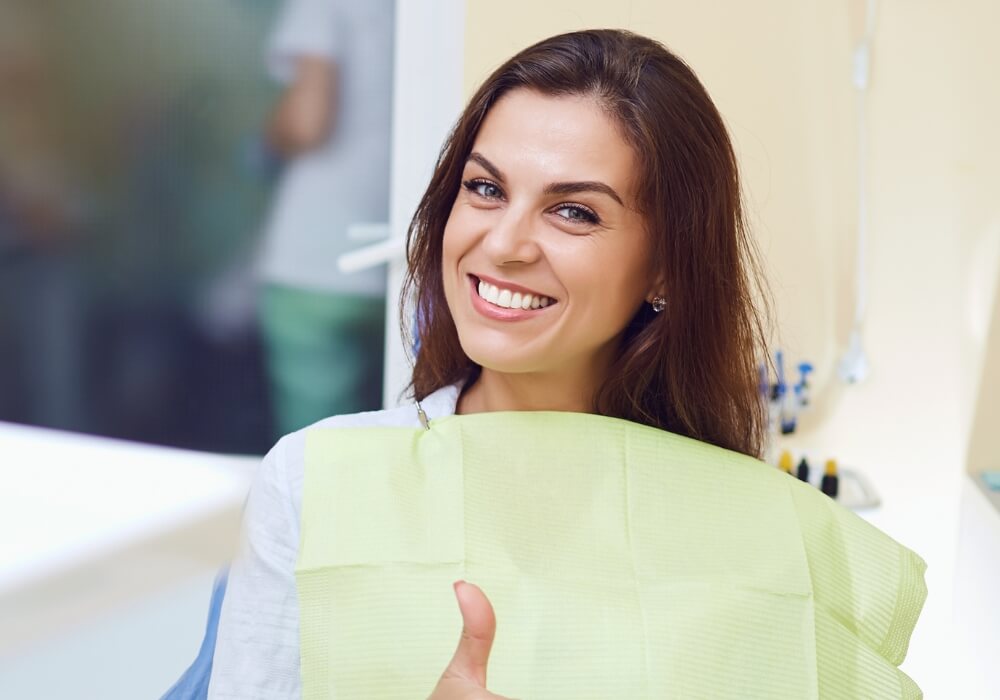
x=657, y=288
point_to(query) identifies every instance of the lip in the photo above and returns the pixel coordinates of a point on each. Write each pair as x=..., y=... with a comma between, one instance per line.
x=511, y=286
x=499, y=313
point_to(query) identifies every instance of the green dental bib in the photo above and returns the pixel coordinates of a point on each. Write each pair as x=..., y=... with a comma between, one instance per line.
x=622, y=562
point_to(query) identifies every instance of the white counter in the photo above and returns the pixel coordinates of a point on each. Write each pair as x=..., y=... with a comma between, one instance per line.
x=89, y=524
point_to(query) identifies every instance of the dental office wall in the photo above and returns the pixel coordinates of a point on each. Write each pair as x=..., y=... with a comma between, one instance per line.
x=780, y=72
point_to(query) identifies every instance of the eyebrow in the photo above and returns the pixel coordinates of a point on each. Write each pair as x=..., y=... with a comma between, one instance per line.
x=552, y=188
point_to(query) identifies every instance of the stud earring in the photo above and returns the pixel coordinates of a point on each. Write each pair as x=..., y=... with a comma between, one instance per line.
x=659, y=304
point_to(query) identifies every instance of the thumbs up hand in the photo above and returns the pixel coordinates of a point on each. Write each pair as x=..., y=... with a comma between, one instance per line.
x=465, y=677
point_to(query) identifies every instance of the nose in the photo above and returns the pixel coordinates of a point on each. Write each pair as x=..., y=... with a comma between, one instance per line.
x=513, y=238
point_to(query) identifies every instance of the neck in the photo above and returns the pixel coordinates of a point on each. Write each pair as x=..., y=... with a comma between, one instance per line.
x=497, y=391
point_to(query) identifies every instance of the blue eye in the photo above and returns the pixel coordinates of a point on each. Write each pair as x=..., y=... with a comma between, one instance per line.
x=577, y=214
x=483, y=188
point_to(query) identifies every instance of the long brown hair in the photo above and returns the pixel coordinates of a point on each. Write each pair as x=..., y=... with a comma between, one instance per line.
x=691, y=369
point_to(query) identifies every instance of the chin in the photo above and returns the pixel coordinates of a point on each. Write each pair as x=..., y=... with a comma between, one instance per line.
x=500, y=362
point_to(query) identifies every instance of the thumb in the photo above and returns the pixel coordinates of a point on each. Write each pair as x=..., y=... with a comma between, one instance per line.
x=478, y=628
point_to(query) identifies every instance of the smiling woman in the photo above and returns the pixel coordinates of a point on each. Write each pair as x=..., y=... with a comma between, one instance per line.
x=593, y=169
x=581, y=445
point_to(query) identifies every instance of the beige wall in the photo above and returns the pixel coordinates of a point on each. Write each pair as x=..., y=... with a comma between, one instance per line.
x=780, y=73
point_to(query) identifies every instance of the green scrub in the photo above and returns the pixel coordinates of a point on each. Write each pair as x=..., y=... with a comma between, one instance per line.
x=324, y=354
x=622, y=562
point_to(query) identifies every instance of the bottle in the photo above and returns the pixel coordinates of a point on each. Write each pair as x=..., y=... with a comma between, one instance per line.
x=803, y=471
x=785, y=462
x=802, y=393
x=831, y=481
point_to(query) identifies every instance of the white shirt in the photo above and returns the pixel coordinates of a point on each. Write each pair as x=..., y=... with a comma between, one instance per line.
x=257, y=649
x=345, y=181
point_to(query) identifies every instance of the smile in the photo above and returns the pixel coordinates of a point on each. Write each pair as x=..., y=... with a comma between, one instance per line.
x=503, y=302
x=507, y=299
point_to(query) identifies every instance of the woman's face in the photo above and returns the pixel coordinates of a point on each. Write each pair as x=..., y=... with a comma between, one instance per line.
x=545, y=257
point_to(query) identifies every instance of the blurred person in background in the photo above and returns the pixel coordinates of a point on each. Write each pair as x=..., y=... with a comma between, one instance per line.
x=324, y=330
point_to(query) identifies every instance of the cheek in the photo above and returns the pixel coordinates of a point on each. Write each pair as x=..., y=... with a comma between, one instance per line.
x=456, y=237
x=454, y=247
x=449, y=252
x=614, y=282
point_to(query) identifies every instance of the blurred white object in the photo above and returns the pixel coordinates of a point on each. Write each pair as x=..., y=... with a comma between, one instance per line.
x=427, y=99
x=372, y=256
x=90, y=523
x=853, y=366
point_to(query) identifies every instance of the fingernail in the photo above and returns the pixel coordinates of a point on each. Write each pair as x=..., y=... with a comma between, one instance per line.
x=455, y=585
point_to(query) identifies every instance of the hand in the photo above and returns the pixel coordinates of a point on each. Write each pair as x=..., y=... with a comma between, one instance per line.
x=465, y=677
x=303, y=119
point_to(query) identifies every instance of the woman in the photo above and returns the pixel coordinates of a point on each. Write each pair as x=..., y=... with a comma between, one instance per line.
x=580, y=249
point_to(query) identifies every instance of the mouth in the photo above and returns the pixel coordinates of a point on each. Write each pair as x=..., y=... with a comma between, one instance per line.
x=506, y=296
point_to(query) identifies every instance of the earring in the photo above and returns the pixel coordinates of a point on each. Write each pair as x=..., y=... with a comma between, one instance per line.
x=659, y=304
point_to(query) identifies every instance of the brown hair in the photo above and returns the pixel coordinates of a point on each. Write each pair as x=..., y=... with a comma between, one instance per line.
x=691, y=369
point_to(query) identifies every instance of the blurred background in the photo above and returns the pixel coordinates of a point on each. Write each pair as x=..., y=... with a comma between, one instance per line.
x=132, y=188
x=177, y=180
x=144, y=180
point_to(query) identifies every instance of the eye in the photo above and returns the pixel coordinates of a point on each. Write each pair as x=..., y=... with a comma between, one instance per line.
x=483, y=188
x=577, y=214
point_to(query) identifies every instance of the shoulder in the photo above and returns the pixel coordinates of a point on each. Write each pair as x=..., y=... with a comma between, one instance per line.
x=286, y=461
x=439, y=404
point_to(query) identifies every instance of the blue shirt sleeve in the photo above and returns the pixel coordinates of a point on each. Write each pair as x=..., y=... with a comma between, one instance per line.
x=193, y=683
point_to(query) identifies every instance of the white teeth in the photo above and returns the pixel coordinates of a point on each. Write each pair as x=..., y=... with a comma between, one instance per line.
x=511, y=300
